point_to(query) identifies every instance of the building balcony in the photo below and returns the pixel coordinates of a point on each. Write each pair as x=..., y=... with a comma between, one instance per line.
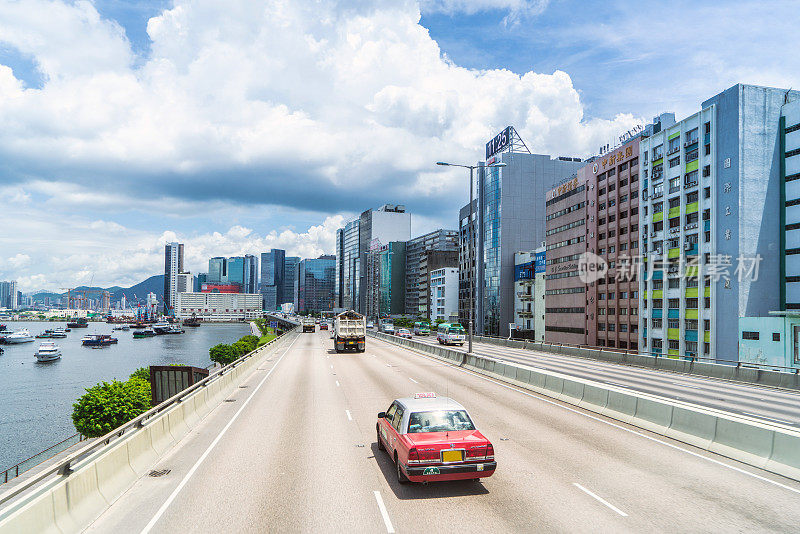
x=525, y=313
x=524, y=296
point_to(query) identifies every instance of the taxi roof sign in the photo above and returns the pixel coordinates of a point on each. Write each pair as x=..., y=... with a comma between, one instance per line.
x=425, y=395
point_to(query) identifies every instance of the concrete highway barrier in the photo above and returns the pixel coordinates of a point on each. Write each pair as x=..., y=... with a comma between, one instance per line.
x=773, y=447
x=741, y=373
x=69, y=502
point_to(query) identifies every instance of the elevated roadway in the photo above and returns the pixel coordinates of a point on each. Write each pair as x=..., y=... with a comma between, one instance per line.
x=295, y=450
x=767, y=403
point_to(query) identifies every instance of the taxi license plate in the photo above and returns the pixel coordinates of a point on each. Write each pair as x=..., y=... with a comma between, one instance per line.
x=452, y=456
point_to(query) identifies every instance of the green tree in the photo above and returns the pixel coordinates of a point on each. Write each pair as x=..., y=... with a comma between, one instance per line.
x=142, y=373
x=252, y=341
x=222, y=354
x=241, y=348
x=109, y=405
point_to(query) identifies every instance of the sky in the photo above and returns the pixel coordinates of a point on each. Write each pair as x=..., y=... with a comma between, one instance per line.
x=239, y=126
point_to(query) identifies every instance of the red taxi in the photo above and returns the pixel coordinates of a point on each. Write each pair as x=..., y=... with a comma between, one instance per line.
x=433, y=439
x=404, y=332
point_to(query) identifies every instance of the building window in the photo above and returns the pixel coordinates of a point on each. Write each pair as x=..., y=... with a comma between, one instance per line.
x=674, y=344
x=749, y=335
x=674, y=162
x=673, y=303
x=776, y=336
x=673, y=323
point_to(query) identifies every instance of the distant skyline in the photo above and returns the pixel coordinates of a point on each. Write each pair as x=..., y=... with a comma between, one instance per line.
x=128, y=125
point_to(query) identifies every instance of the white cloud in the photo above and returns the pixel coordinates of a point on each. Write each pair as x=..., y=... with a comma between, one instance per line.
x=313, y=106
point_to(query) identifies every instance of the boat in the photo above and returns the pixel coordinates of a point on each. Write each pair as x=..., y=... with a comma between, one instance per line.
x=53, y=333
x=175, y=329
x=122, y=327
x=81, y=322
x=192, y=321
x=161, y=328
x=48, y=351
x=147, y=332
x=138, y=325
x=99, y=340
x=22, y=336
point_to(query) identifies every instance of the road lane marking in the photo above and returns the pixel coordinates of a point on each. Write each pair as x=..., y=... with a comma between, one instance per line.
x=609, y=423
x=349, y=417
x=202, y=458
x=686, y=386
x=600, y=499
x=331, y=367
x=413, y=380
x=384, y=513
x=337, y=383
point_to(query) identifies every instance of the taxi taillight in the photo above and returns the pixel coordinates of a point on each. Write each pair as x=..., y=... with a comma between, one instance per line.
x=413, y=456
x=489, y=452
x=423, y=455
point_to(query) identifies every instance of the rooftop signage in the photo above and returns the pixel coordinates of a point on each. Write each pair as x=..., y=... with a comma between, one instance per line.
x=500, y=141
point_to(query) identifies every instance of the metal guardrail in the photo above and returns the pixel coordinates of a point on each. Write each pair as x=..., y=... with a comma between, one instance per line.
x=29, y=463
x=64, y=467
x=734, y=363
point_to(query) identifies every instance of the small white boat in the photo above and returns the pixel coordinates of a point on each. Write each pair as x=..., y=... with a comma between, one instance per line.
x=48, y=351
x=122, y=327
x=58, y=333
x=22, y=336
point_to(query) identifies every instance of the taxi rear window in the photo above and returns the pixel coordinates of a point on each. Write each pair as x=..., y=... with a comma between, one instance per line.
x=439, y=421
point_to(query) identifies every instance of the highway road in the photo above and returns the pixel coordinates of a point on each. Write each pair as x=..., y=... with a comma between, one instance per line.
x=295, y=450
x=770, y=404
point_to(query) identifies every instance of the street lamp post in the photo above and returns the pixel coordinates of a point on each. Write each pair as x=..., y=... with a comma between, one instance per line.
x=471, y=244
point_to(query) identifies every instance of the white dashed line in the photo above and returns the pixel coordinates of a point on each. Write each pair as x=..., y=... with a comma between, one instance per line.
x=337, y=383
x=384, y=513
x=349, y=417
x=600, y=499
x=413, y=380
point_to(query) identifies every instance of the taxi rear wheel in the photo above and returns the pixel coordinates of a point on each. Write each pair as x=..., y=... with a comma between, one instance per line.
x=401, y=478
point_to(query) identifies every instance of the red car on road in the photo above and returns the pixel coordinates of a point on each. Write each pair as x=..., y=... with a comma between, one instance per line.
x=404, y=332
x=434, y=439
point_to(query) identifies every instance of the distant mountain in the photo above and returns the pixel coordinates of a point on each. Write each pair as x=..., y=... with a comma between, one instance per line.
x=154, y=284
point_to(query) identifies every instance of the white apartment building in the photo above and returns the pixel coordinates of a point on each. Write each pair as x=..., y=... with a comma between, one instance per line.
x=444, y=294
x=219, y=307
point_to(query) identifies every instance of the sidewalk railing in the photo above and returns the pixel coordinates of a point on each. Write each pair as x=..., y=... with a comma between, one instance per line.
x=29, y=463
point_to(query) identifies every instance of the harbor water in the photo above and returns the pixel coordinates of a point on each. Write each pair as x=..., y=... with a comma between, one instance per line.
x=36, y=398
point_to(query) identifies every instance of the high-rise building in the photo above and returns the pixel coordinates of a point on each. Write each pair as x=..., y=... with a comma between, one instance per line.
x=354, y=245
x=387, y=296
x=185, y=283
x=432, y=260
x=250, y=274
x=173, y=264
x=290, y=281
x=316, y=284
x=199, y=280
x=378, y=227
x=437, y=240
x=14, y=296
x=272, y=270
x=511, y=218
x=789, y=148
x=217, y=270
x=5, y=294
x=710, y=185
x=348, y=269
x=565, y=293
x=467, y=250
x=612, y=233
x=235, y=267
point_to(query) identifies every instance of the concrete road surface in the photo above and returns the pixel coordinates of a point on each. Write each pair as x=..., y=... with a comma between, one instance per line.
x=295, y=450
x=768, y=403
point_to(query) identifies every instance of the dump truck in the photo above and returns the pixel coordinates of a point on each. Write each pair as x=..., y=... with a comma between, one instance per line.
x=308, y=324
x=349, y=332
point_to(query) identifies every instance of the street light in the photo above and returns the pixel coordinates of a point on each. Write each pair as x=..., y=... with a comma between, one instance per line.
x=471, y=246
